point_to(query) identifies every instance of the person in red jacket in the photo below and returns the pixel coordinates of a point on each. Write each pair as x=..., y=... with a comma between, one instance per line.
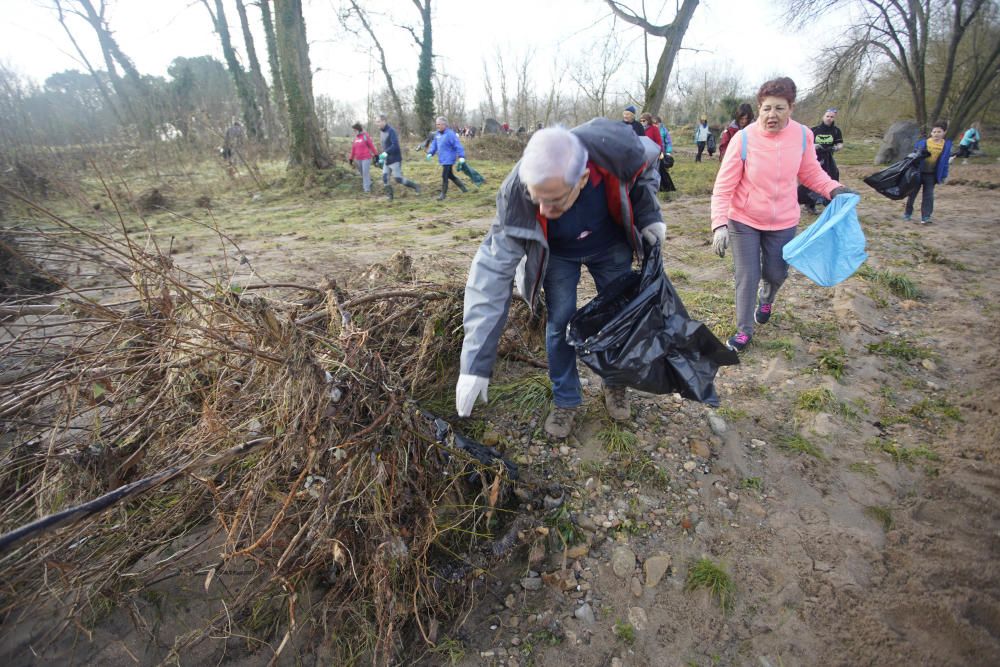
x=650, y=130
x=742, y=117
x=362, y=152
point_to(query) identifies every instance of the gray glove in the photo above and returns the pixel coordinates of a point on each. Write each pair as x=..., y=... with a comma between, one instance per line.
x=720, y=241
x=842, y=190
x=655, y=232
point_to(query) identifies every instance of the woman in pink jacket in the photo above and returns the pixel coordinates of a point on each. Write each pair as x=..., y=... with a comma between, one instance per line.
x=362, y=152
x=755, y=204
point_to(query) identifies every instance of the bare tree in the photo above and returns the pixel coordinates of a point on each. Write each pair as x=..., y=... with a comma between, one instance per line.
x=98, y=81
x=277, y=88
x=248, y=102
x=256, y=75
x=306, y=146
x=593, y=74
x=365, y=21
x=672, y=32
x=903, y=34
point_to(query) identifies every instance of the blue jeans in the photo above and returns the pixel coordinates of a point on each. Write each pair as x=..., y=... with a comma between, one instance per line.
x=560, y=283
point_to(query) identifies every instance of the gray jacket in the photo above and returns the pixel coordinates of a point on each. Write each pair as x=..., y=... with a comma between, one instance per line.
x=515, y=251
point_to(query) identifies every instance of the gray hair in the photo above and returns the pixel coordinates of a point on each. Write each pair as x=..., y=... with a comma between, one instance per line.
x=441, y=119
x=382, y=116
x=553, y=152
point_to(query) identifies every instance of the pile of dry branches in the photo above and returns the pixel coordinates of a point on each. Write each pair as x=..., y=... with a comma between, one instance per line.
x=264, y=438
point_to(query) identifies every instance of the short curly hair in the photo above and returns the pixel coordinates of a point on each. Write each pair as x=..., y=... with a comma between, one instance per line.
x=782, y=87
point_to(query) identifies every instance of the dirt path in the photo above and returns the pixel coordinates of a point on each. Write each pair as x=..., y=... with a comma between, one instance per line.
x=881, y=550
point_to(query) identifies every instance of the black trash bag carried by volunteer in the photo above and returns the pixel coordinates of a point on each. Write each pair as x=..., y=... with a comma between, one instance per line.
x=637, y=333
x=899, y=179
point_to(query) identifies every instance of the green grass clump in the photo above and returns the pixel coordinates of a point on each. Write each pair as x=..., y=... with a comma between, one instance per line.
x=865, y=468
x=832, y=362
x=783, y=345
x=617, y=440
x=706, y=574
x=901, y=454
x=451, y=651
x=819, y=399
x=897, y=283
x=899, y=349
x=882, y=515
x=731, y=414
x=930, y=408
x=752, y=484
x=524, y=395
x=799, y=445
x=624, y=631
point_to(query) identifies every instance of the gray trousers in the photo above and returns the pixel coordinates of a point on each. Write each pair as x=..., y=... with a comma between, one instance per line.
x=365, y=166
x=759, y=267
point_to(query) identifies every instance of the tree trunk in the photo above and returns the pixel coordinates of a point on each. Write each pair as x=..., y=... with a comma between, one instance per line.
x=306, y=147
x=113, y=54
x=277, y=87
x=248, y=103
x=674, y=34
x=396, y=103
x=256, y=75
x=424, y=97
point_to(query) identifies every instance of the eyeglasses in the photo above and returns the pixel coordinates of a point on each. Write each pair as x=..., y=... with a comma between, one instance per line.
x=556, y=203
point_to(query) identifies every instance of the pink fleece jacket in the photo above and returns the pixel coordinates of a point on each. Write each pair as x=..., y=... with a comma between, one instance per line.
x=762, y=193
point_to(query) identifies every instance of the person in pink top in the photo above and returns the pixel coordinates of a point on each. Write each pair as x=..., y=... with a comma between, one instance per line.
x=755, y=202
x=362, y=152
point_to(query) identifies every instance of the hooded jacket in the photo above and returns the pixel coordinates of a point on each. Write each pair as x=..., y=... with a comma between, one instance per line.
x=516, y=247
x=941, y=170
x=362, y=148
x=762, y=191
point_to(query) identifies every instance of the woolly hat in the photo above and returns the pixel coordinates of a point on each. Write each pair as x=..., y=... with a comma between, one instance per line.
x=630, y=108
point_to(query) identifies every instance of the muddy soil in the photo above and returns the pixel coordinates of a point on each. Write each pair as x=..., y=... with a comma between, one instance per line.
x=879, y=548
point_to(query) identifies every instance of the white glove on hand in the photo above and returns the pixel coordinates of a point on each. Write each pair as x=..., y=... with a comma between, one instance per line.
x=720, y=241
x=468, y=389
x=655, y=232
x=461, y=160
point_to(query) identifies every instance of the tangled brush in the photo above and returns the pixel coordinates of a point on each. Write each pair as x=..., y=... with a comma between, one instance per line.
x=265, y=439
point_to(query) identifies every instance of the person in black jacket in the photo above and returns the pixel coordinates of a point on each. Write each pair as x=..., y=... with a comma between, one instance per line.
x=829, y=139
x=628, y=117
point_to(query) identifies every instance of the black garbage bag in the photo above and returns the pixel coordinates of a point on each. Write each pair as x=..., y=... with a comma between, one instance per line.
x=666, y=183
x=899, y=179
x=637, y=333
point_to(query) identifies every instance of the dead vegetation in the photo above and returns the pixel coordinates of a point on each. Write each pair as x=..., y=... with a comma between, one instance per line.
x=265, y=434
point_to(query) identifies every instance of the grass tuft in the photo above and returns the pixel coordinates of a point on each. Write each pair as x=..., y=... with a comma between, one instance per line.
x=899, y=349
x=832, y=362
x=882, y=515
x=897, y=283
x=706, y=574
x=865, y=468
x=617, y=440
x=524, y=395
x=819, y=399
x=624, y=631
x=799, y=445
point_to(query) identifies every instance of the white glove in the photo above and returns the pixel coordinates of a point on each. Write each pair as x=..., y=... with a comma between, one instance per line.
x=467, y=391
x=720, y=241
x=655, y=232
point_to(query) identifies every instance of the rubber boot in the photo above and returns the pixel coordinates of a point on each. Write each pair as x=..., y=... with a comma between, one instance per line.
x=461, y=186
x=410, y=184
x=388, y=192
x=444, y=191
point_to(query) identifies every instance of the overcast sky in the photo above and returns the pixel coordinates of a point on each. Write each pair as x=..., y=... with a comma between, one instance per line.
x=745, y=37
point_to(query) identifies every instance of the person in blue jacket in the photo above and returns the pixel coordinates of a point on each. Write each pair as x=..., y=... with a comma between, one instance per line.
x=933, y=170
x=449, y=151
x=969, y=142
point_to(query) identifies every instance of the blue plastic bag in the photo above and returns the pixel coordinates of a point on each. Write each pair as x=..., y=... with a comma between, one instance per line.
x=831, y=249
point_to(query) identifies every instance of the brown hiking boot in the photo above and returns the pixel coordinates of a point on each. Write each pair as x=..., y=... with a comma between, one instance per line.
x=616, y=400
x=559, y=423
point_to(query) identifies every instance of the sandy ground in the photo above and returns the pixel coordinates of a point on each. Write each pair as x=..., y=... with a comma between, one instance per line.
x=819, y=580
